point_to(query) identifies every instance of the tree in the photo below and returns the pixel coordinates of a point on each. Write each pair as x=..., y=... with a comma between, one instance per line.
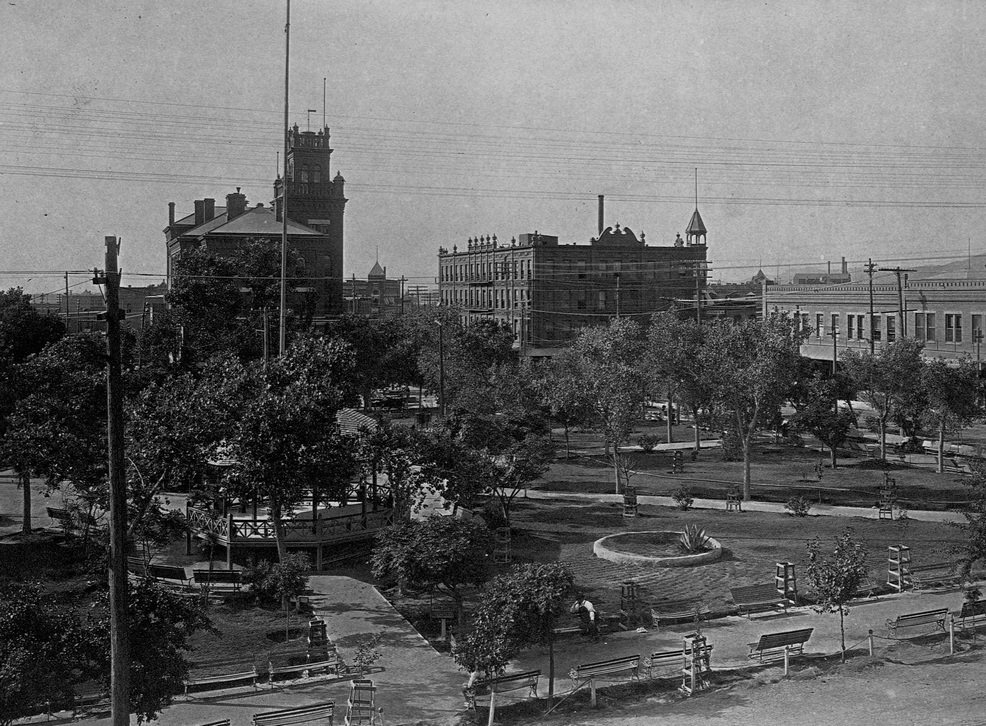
x=888, y=380
x=674, y=364
x=604, y=372
x=819, y=415
x=516, y=610
x=382, y=356
x=23, y=330
x=42, y=651
x=974, y=527
x=951, y=393
x=751, y=367
x=561, y=391
x=835, y=578
x=438, y=553
x=56, y=429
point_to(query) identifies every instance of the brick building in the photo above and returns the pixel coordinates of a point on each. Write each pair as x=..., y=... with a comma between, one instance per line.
x=546, y=291
x=316, y=207
x=375, y=296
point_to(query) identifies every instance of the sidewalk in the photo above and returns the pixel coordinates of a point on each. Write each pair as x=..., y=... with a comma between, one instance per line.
x=415, y=684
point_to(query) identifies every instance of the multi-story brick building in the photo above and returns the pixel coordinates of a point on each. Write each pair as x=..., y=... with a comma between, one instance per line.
x=943, y=307
x=546, y=291
x=377, y=295
x=316, y=206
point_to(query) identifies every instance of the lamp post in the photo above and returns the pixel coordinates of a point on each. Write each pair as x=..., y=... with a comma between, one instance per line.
x=441, y=366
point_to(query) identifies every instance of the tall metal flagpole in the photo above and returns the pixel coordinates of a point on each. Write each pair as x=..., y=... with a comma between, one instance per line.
x=284, y=190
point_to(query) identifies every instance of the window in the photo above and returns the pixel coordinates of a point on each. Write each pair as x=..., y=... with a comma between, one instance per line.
x=805, y=325
x=850, y=326
x=602, y=299
x=977, y=328
x=876, y=328
x=891, y=328
x=317, y=174
x=304, y=173
x=924, y=326
x=835, y=324
x=953, y=328
x=859, y=327
x=819, y=325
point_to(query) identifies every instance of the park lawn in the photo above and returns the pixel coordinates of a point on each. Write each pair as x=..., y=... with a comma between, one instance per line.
x=753, y=542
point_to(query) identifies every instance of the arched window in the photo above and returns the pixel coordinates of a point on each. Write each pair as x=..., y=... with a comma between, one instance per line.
x=304, y=173
x=317, y=174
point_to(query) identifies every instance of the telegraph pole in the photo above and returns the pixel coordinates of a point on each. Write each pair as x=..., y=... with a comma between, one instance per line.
x=66, y=303
x=617, y=295
x=900, y=296
x=282, y=334
x=119, y=625
x=869, y=271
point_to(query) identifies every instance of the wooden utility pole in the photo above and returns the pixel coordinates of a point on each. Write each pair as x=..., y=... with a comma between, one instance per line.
x=869, y=271
x=119, y=621
x=900, y=296
x=283, y=317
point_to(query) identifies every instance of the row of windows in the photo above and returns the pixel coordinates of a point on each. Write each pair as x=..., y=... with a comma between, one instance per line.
x=503, y=270
x=925, y=326
x=484, y=297
x=314, y=175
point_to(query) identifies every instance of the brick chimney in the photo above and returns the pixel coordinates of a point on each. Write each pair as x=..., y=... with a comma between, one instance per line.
x=209, y=208
x=171, y=214
x=236, y=204
x=199, y=212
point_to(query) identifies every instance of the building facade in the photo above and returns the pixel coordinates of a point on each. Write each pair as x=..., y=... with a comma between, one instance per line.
x=546, y=292
x=375, y=296
x=944, y=308
x=316, y=208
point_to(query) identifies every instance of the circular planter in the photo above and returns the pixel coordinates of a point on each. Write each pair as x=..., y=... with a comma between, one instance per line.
x=603, y=548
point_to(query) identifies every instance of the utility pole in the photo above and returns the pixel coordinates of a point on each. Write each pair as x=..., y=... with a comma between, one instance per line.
x=900, y=296
x=869, y=271
x=698, y=282
x=835, y=347
x=119, y=625
x=441, y=365
x=617, y=274
x=66, y=303
x=282, y=334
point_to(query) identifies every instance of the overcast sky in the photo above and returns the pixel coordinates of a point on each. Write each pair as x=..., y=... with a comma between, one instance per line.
x=819, y=130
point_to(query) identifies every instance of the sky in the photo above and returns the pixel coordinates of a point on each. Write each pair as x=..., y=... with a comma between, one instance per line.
x=816, y=130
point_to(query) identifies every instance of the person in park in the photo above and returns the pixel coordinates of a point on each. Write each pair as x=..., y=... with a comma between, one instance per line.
x=587, y=613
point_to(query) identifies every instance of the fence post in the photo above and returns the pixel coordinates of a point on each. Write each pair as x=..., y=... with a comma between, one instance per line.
x=870, y=638
x=951, y=635
x=592, y=692
x=787, y=650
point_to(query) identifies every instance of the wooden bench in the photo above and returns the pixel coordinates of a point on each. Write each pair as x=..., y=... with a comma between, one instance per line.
x=605, y=670
x=227, y=580
x=939, y=573
x=92, y=705
x=300, y=670
x=679, y=610
x=667, y=663
x=62, y=517
x=213, y=682
x=760, y=597
x=926, y=617
x=866, y=588
x=224, y=722
x=972, y=613
x=775, y=644
x=170, y=574
x=501, y=684
x=321, y=712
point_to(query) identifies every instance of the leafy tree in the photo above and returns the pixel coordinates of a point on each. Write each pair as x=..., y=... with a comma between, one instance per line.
x=674, y=364
x=951, y=393
x=57, y=428
x=835, y=578
x=751, y=367
x=382, y=355
x=605, y=372
x=973, y=549
x=888, y=380
x=562, y=393
x=23, y=330
x=515, y=610
x=439, y=552
x=42, y=650
x=818, y=415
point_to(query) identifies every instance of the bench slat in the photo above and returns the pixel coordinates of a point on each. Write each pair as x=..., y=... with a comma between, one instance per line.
x=600, y=669
x=502, y=684
x=926, y=617
x=304, y=714
x=777, y=643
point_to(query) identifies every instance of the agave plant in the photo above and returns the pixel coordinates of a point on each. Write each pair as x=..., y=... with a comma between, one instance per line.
x=693, y=539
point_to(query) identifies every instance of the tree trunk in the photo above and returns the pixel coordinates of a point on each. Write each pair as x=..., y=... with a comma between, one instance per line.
x=834, y=449
x=941, y=447
x=26, y=486
x=551, y=662
x=616, y=466
x=568, y=451
x=698, y=434
x=842, y=632
x=275, y=515
x=670, y=409
x=489, y=722
x=883, y=438
x=746, y=467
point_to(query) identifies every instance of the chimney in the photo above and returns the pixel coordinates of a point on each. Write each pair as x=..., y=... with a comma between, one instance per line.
x=236, y=204
x=600, y=214
x=171, y=214
x=199, y=212
x=845, y=267
x=209, y=208
x=830, y=267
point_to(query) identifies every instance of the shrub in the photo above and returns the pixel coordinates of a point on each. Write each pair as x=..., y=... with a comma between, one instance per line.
x=493, y=514
x=693, y=539
x=798, y=505
x=682, y=497
x=271, y=583
x=732, y=447
x=647, y=442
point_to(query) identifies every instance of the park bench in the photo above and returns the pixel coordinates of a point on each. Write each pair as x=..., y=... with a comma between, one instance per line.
x=939, y=573
x=776, y=644
x=666, y=663
x=664, y=611
x=62, y=517
x=321, y=712
x=866, y=588
x=501, y=684
x=926, y=617
x=759, y=597
x=227, y=580
x=300, y=670
x=604, y=670
x=972, y=613
x=169, y=574
x=213, y=682
x=224, y=722
x=92, y=705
